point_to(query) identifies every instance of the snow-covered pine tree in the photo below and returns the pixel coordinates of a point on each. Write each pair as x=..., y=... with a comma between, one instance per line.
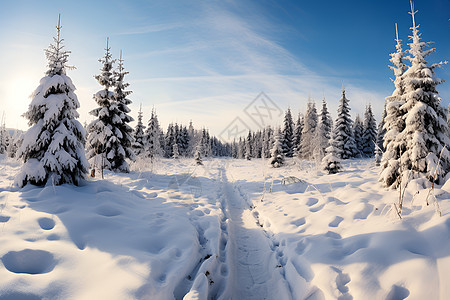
x=331, y=162
x=184, y=141
x=105, y=150
x=394, y=145
x=206, y=143
x=257, y=144
x=267, y=141
x=288, y=134
x=381, y=132
x=248, y=146
x=169, y=140
x=124, y=132
x=152, y=137
x=176, y=153
x=138, y=145
x=358, y=131
x=426, y=129
x=53, y=148
x=4, y=137
x=323, y=132
x=309, y=143
x=343, y=140
x=370, y=133
x=298, y=134
x=198, y=154
x=241, y=148
x=14, y=144
x=277, y=154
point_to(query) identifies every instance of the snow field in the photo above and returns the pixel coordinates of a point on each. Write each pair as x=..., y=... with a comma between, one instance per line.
x=211, y=232
x=340, y=238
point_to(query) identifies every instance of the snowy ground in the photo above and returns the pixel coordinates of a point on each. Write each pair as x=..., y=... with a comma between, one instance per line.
x=211, y=232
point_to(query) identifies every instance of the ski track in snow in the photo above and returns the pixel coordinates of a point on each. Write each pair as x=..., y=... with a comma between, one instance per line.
x=255, y=256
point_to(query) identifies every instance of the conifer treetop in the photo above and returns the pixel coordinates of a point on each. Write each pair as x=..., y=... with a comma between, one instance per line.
x=56, y=55
x=105, y=78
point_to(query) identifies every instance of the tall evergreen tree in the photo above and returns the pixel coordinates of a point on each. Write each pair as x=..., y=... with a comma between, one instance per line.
x=323, y=134
x=139, y=135
x=288, y=134
x=308, y=143
x=343, y=140
x=426, y=129
x=267, y=141
x=381, y=132
x=298, y=134
x=248, y=146
x=152, y=138
x=169, y=140
x=276, y=153
x=53, y=148
x=394, y=122
x=104, y=148
x=124, y=132
x=358, y=131
x=370, y=133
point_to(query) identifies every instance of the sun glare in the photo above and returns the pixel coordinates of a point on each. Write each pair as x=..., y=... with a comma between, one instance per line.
x=18, y=95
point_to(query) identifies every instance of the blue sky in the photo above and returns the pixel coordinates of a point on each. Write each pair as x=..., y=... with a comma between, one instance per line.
x=207, y=60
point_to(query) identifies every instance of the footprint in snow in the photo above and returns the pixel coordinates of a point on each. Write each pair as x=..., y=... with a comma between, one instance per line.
x=299, y=222
x=316, y=209
x=335, y=223
x=312, y=201
x=397, y=293
x=4, y=219
x=29, y=261
x=46, y=223
x=342, y=279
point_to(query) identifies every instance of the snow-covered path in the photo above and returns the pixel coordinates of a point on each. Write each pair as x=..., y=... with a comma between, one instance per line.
x=254, y=272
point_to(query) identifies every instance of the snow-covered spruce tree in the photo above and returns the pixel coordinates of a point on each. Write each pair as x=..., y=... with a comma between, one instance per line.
x=206, y=143
x=298, y=134
x=331, y=162
x=14, y=144
x=105, y=150
x=248, y=146
x=198, y=154
x=394, y=144
x=381, y=132
x=152, y=137
x=4, y=138
x=176, y=153
x=343, y=140
x=124, y=132
x=138, y=145
x=169, y=140
x=267, y=141
x=325, y=127
x=308, y=142
x=426, y=129
x=53, y=148
x=370, y=133
x=276, y=154
x=183, y=141
x=358, y=130
x=288, y=134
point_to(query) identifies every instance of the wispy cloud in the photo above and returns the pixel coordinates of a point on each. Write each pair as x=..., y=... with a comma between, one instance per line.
x=150, y=29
